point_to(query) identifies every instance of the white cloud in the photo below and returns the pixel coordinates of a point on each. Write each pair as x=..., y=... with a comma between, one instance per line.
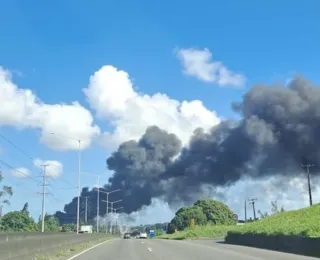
x=54, y=168
x=111, y=94
x=198, y=63
x=21, y=108
x=20, y=172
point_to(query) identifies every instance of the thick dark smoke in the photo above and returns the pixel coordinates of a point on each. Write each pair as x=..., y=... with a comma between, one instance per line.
x=139, y=166
x=278, y=131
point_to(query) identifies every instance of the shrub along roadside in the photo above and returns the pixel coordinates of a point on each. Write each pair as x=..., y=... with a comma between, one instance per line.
x=206, y=231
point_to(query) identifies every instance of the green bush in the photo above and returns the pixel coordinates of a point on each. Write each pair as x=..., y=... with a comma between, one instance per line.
x=17, y=221
x=204, y=212
x=206, y=231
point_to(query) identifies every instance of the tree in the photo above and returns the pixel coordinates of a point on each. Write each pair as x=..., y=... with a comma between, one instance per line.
x=68, y=228
x=216, y=212
x=203, y=212
x=171, y=228
x=51, y=223
x=274, y=210
x=263, y=215
x=17, y=221
x=5, y=193
x=25, y=208
x=183, y=216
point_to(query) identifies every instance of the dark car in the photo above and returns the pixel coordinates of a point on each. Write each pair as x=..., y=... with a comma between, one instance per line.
x=126, y=236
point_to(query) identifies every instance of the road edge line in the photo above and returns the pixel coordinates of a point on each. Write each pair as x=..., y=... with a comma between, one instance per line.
x=88, y=249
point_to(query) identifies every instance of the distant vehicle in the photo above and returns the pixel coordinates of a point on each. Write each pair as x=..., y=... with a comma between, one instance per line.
x=143, y=235
x=126, y=236
x=85, y=229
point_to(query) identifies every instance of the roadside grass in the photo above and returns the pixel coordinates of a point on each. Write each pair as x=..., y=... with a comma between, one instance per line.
x=70, y=251
x=303, y=222
x=207, y=231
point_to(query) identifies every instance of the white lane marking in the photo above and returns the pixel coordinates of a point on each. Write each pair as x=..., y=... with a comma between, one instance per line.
x=142, y=242
x=84, y=251
x=150, y=249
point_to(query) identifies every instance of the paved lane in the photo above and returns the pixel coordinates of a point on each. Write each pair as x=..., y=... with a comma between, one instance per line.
x=136, y=249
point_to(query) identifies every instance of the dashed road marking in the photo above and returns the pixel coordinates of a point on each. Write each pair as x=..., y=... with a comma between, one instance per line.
x=142, y=242
x=150, y=249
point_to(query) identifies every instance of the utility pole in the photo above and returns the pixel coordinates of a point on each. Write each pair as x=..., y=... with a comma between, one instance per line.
x=309, y=181
x=86, y=211
x=252, y=202
x=245, y=211
x=44, y=177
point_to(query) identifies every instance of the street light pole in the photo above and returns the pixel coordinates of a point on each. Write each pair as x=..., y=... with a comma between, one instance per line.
x=98, y=204
x=107, y=213
x=117, y=215
x=79, y=175
x=86, y=211
x=111, y=226
x=79, y=192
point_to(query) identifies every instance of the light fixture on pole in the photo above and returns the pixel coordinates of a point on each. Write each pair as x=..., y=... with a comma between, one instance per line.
x=107, y=213
x=113, y=202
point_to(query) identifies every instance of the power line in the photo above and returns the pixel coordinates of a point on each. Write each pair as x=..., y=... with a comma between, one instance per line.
x=28, y=156
x=20, y=172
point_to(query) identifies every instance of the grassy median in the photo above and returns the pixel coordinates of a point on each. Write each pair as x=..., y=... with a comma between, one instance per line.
x=71, y=251
x=302, y=222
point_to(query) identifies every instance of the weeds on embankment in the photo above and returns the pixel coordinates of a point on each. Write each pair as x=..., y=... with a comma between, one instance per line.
x=303, y=222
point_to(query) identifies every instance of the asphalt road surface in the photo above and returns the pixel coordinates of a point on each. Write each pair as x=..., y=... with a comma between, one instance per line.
x=154, y=249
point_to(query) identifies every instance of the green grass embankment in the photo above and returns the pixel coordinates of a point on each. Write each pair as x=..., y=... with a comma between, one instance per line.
x=208, y=231
x=302, y=222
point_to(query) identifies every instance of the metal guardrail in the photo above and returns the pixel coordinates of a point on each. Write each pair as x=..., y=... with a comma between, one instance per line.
x=18, y=246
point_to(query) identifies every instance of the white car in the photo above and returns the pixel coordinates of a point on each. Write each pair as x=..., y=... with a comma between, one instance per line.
x=143, y=235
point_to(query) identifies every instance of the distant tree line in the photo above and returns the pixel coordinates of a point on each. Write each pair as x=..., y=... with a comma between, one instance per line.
x=21, y=221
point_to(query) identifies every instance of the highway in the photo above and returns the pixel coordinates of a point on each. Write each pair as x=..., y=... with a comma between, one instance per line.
x=154, y=249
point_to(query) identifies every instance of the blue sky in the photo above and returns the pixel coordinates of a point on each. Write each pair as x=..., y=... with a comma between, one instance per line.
x=53, y=47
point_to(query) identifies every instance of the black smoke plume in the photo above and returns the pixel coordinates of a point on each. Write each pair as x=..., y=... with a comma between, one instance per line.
x=278, y=131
